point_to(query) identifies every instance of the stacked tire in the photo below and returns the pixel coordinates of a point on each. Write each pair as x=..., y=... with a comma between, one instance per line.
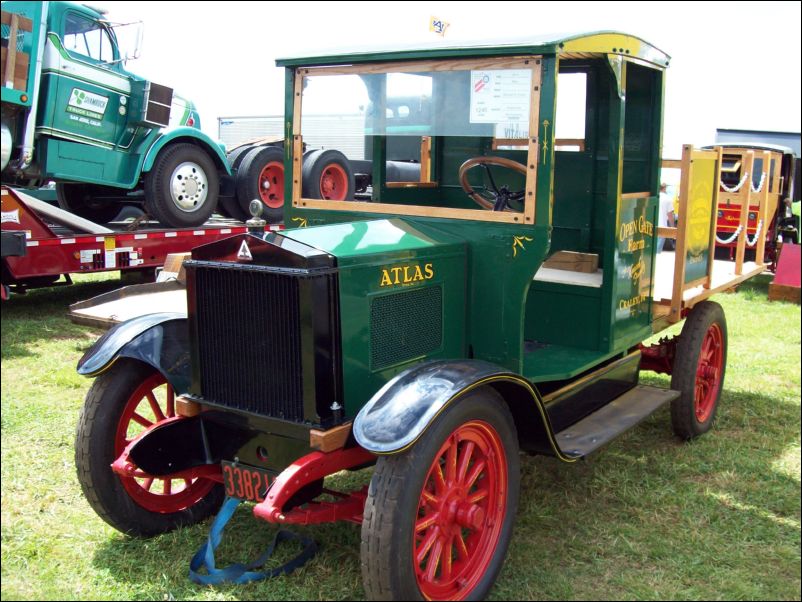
x=259, y=170
x=259, y=175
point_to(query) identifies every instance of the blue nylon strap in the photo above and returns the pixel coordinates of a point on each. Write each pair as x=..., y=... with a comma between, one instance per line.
x=238, y=572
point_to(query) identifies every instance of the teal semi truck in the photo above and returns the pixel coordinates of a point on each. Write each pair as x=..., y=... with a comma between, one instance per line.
x=72, y=113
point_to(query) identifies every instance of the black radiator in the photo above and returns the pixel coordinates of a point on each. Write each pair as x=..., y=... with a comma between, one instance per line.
x=265, y=340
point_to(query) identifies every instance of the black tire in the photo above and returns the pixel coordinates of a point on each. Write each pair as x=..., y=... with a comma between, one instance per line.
x=394, y=504
x=90, y=201
x=317, y=165
x=698, y=371
x=181, y=190
x=95, y=451
x=236, y=156
x=229, y=206
x=261, y=176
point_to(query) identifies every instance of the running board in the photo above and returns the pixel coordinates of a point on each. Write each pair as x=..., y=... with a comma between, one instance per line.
x=612, y=420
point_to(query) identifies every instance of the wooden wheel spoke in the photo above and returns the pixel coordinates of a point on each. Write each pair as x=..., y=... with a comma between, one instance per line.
x=451, y=461
x=434, y=559
x=154, y=405
x=477, y=496
x=439, y=480
x=427, y=521
x=170, y=401
x=478, y=468
x=141, y=420
x=465, y=460
x=425, y=546
x=462, y=549
x=430, y=498
x=447, y=553
x=168, y=487
x=148, y=483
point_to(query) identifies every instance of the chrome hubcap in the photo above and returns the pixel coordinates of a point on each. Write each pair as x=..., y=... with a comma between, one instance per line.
x=188, y=186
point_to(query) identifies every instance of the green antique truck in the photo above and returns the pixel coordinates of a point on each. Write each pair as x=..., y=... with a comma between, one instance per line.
x=72, y=113
x=434, y=326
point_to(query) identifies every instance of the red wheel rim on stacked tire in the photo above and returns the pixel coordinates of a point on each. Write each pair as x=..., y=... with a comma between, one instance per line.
x=271, y=185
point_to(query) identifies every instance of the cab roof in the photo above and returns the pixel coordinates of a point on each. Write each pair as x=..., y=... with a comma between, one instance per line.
x=572, y=45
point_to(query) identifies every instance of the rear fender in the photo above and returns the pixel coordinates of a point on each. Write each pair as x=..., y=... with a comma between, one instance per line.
x=160, y=340
x=396, y=417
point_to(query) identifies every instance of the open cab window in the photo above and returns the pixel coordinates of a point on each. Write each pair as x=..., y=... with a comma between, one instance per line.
x=431, y=138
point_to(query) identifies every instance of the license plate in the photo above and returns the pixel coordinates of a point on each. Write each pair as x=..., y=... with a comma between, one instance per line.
x=245, y=482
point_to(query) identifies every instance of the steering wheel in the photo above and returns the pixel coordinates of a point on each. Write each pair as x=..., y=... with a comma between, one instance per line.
x=493, y=198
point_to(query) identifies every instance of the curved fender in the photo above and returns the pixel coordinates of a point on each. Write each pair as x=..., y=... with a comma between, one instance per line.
x=402, y=410
x=160, y=340
x=205, y=141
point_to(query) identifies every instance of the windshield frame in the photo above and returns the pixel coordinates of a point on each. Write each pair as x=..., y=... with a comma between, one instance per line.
x=527, y=216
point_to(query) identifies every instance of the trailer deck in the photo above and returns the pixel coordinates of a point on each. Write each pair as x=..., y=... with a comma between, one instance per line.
x=37, y=251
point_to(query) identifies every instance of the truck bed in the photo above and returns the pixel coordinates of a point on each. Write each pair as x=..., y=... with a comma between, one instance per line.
x=723, y=277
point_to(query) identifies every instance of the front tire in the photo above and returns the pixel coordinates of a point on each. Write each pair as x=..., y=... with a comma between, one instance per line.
x=438, y=518
x=119, y=404
x=182, y=188
x=698, y=371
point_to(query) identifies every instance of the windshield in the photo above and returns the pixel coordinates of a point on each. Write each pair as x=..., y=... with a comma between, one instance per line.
x=406, y=131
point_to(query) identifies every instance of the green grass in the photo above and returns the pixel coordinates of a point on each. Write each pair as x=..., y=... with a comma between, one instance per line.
x=648, y=517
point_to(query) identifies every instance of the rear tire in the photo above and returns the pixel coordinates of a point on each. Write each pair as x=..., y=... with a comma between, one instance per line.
x=698, y=371
x=426, y=537
x=115, y=403
x=182, y=188
x=327, y=174
x=229, y=206
x=261, y=177
x=84, y=201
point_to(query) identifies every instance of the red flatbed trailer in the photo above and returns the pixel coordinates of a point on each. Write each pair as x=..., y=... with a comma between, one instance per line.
x=36, y=253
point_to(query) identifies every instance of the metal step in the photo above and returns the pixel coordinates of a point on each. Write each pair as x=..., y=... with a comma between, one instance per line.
x=612, y=420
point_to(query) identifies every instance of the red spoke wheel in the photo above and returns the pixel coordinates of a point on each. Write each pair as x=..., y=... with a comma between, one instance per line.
x=122, y=402
x=439, y=516
x=698, y=371
x=152, y=402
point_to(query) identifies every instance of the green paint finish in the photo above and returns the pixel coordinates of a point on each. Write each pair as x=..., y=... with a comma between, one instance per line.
x=482, y=272
x=387, y=270
x=81, y=162
x=353, y=241
x=86, y=129
x=186, y=134
x=635, y=244
x=559, y=362
x=86, y=110
x=399, y=308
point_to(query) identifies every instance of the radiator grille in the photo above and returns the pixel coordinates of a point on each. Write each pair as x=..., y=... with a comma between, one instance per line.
x=249, y=340
x=405, y=325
